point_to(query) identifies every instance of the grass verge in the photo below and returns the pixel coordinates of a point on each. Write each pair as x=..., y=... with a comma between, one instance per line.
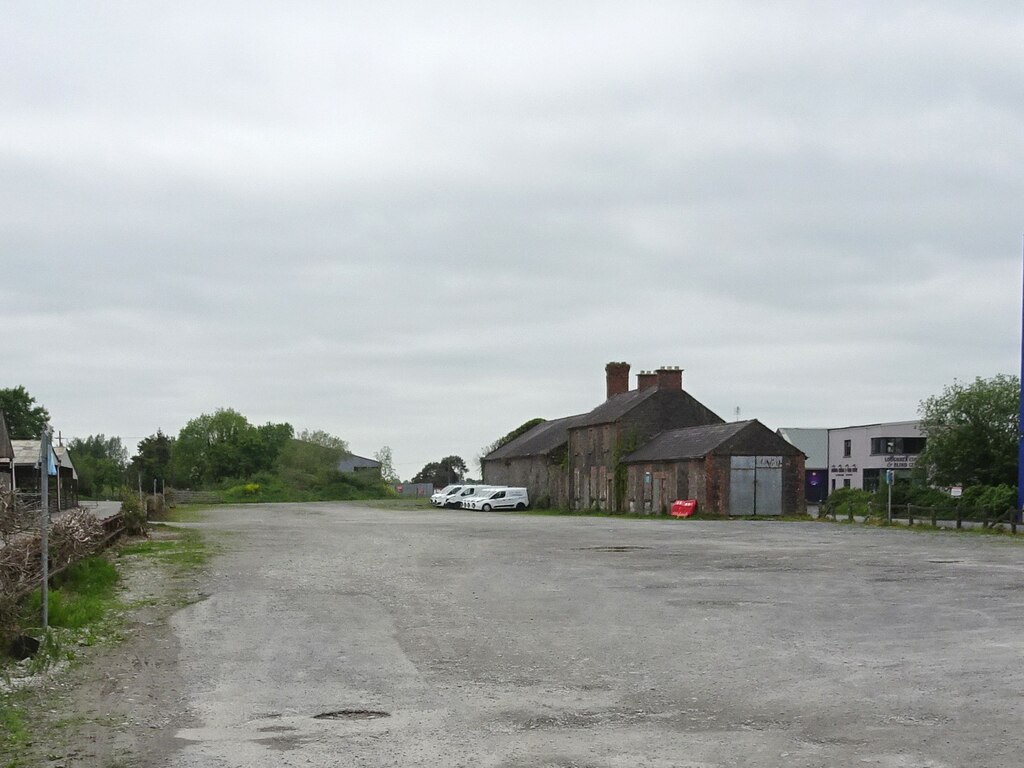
x=87, y=607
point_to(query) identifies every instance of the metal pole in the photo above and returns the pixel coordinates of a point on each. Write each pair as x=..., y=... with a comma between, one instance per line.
x=44, y=521
x=889, y=505
x=1020, y=435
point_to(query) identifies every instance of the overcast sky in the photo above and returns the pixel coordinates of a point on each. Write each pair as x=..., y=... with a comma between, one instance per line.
x=421, y=224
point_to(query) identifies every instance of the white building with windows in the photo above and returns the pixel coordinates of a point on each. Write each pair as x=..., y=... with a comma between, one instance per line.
x=859, y=456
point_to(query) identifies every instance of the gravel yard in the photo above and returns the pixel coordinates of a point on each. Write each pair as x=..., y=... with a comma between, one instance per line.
x=343, y=635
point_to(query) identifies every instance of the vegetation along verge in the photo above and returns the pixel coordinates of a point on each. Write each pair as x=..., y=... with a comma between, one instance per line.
x=50, y=712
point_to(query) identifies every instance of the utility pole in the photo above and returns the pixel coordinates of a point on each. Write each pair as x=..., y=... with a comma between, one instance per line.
x=44, y=520
x=1020, y=425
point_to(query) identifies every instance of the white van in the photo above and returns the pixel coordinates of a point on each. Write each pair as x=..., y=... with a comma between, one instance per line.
x=440, y=498
x=503, y=498
x=477, y=494
x=467, y=491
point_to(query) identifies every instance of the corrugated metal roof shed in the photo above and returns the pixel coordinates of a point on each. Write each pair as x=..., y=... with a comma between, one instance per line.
x=6, y=449
x=26, y=452
x=64, y=458
x=351, y=463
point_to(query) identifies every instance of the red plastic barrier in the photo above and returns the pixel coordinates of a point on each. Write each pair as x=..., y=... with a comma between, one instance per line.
x=683, y=507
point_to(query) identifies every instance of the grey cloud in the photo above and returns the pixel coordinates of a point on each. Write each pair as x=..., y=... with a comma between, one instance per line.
x=347, y=217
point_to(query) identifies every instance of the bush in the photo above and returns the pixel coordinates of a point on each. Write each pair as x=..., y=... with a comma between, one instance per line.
x=842, y=500
x=988, y=501
x=246, y=492
x=133, y=513
x=916, y=494
x=155, y=506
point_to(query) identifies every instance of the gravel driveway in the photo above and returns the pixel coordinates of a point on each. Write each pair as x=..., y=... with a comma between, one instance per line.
x=427, y=638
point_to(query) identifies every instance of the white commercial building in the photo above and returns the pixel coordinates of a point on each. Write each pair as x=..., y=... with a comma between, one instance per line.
x=859, y=456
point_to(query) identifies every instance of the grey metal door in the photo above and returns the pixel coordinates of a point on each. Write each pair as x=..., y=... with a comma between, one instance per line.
x=755, y=485
x=768, y=485
x=741, y=485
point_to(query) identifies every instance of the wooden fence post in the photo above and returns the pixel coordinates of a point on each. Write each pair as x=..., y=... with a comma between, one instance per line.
x=910, y=515
x=959, y=517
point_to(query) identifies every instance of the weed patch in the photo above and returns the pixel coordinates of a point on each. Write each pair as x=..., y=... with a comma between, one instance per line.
x=81, y=596
x=14, y=730
x=187, y=513
x=186, y=551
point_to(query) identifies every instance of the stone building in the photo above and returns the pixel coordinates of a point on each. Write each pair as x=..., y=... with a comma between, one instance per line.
x=740, y=468
x=604, y=459
x=536, y=460
x=626, y=420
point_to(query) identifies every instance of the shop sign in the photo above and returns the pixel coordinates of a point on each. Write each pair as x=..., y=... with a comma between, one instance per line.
x=900, y=461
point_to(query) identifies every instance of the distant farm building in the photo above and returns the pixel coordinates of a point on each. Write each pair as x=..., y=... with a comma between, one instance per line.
x=350, y=463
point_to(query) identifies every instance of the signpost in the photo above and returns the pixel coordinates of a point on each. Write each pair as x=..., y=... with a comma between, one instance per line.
x=890, y=476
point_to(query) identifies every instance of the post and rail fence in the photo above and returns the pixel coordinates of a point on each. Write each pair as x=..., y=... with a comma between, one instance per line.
x=937, y=517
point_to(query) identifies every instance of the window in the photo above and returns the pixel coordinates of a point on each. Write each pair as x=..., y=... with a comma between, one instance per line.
x=872, y=479
x=847, y=448
x=897, y=445
x=846, y=483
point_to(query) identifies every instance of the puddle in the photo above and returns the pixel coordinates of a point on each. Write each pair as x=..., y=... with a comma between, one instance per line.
x=352, y=714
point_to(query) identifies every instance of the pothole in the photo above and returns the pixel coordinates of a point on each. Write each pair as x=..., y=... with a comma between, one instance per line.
x=619, y=548
x=352, y=714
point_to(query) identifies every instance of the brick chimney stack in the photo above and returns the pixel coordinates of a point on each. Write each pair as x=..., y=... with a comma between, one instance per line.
x=617, y=377
x=670, y=377
x=646, y=380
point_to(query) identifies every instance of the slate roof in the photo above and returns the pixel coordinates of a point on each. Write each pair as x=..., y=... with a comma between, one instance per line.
x=688, y=442
x=616, y=406
x=539, y=441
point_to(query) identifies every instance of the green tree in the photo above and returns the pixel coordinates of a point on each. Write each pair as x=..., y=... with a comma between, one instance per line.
x=25, y=419
x=222, y=445
x=972, y=432
x=306, y=465
x=387, y=465
x=444, y=472
x=100, y=462
x=153, y=460
x=326, y=439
